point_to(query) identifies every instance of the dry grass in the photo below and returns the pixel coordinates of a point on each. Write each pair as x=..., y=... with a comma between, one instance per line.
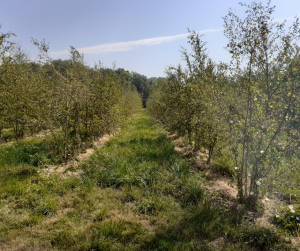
x=71, y=168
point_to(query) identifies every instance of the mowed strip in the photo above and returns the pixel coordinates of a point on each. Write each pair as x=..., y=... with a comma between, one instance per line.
x=129, y=189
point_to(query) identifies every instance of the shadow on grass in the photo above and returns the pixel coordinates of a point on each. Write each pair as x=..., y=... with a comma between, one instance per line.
x=203, y=223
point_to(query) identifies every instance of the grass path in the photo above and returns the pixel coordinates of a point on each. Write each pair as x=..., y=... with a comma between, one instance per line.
x=135, y=193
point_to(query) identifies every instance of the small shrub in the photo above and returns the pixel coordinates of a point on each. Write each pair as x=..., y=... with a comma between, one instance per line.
x=31, y=220
x=150, y=205
x=288, y=219
x=46, y=208
x=99, y=216
x=223, y=165
x=180, y=169
x=112, y=229
x=255, y=236
x=63, y=239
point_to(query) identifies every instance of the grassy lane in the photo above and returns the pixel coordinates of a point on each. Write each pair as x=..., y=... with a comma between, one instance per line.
x=135, y=193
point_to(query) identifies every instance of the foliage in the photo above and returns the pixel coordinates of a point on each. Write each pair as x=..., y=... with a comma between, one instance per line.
x=267, y=90
x=288, y=218
x=256, y=236
x=140, y=82
x=187, y=102
x=224, y=165
x=77, y=103
x=250, y=108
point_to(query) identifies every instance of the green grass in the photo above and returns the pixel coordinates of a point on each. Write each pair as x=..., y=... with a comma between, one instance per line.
x=33, y=152
x=135, y=193
x=8, y=134
x=144, y=157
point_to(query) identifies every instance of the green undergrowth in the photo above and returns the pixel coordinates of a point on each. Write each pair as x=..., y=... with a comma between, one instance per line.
x=135, y=193
x=9, y=134
x=38, y=151
x=33, y=152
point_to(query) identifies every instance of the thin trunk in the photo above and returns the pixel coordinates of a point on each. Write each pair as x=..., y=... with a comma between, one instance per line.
x=66, y=131
x=245, y=142
x=247, y=147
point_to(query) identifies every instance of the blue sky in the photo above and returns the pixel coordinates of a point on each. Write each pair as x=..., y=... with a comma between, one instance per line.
x=140, y=35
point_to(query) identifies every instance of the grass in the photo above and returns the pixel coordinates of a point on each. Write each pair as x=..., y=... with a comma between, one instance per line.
x=8, y=134
x=135, y=193
x=34, y=152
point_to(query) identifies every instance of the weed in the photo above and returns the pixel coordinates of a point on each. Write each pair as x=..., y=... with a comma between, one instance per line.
x=151, y=205
x=255, y=236
x=224, y=165
x=99, y=216
x=288, y=219
x=112, y=229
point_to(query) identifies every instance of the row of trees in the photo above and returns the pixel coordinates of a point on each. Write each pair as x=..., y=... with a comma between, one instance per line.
x=249, y=107
x=139, y=81
x=76, y=102
x=142, y=84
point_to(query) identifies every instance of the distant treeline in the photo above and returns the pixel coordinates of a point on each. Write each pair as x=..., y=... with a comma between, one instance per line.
x=140, y=82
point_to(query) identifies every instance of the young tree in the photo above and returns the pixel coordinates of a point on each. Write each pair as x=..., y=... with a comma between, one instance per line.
x=5, y=47
x=265, y=94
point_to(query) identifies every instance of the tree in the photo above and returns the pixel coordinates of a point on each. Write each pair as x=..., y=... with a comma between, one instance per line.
x=266, y=95
x=141, y=84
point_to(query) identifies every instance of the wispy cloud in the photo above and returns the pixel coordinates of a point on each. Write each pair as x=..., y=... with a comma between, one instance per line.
x=281, y=19
x=126, y=46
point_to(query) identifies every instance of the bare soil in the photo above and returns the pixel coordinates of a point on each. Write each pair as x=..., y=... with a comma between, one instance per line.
x=69, y=169
x=223, y=186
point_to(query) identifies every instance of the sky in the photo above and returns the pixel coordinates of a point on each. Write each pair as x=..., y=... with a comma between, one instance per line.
x=138, y=35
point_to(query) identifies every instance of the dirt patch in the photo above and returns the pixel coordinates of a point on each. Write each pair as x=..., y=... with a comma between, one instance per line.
x=218, y=243
x=147, y=222
x=270, y=205
x=222, y=186
x=97, y=144
x=41, y=134
x=70, y=169
x=217, y=183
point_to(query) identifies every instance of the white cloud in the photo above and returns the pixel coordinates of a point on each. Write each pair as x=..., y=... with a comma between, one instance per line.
x=126, y=46
x=281, y=19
